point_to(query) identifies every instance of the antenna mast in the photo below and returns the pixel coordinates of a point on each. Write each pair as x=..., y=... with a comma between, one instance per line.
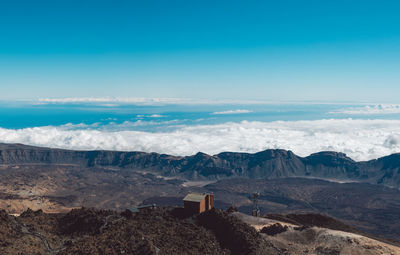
x=256, y=209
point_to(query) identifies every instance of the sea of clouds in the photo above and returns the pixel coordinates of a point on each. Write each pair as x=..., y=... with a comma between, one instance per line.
x=377, y=109
x=359, y=139
x=239, y=111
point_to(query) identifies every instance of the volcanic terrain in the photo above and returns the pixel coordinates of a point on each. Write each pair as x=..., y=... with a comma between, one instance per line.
x=362, y=194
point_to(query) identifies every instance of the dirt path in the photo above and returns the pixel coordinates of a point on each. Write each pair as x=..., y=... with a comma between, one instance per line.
x=107, y=220
x=25, y=230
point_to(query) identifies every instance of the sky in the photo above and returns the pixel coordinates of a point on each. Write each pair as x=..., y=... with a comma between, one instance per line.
x=183, y=76
x=337, y=51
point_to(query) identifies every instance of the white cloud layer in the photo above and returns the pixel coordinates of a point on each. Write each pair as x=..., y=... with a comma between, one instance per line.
x=112, y=101
x=233, y=112
x=115, y=101
x=359, y=139
x=378, y=109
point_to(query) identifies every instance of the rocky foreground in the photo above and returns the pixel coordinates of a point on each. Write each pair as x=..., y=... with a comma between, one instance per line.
x=168, y=231
x=361, y=194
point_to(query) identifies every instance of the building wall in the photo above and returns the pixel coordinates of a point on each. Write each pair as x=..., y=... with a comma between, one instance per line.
x=191, y=207
x=202, y=206
x=209, y=201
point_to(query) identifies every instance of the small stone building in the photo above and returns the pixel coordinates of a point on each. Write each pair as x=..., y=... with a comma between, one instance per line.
x=196, y=203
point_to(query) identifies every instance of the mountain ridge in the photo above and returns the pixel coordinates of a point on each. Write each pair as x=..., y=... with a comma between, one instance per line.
x=270, y=163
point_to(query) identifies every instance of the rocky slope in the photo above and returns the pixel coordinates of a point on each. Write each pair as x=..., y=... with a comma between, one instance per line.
x=316, y=234
x=265, y=164
x=167, y=231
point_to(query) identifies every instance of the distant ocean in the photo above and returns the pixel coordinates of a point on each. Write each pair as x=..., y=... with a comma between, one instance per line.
x=362, y=131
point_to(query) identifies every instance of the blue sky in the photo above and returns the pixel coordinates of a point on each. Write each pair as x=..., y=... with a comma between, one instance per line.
x=253, y=50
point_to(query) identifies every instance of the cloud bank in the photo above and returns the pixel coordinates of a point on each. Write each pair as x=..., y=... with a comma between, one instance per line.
x=359, y=139
x=116, y=101
x=112, y=101
x=232, y=112
x=378, y=109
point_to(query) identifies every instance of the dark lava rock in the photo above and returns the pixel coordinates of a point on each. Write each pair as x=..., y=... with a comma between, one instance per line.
x=232, y=233
x=311, y=220
x=274, y=229
x=83, y=220
x=31, y=213
x=232, y=209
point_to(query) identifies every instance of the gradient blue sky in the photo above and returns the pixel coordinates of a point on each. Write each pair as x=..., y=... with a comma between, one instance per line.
x=261, y=50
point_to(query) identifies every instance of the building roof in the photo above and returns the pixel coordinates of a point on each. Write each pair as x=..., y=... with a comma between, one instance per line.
x=136, y=209
x=133, y=210
x=146, y=206
x=194, y=197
